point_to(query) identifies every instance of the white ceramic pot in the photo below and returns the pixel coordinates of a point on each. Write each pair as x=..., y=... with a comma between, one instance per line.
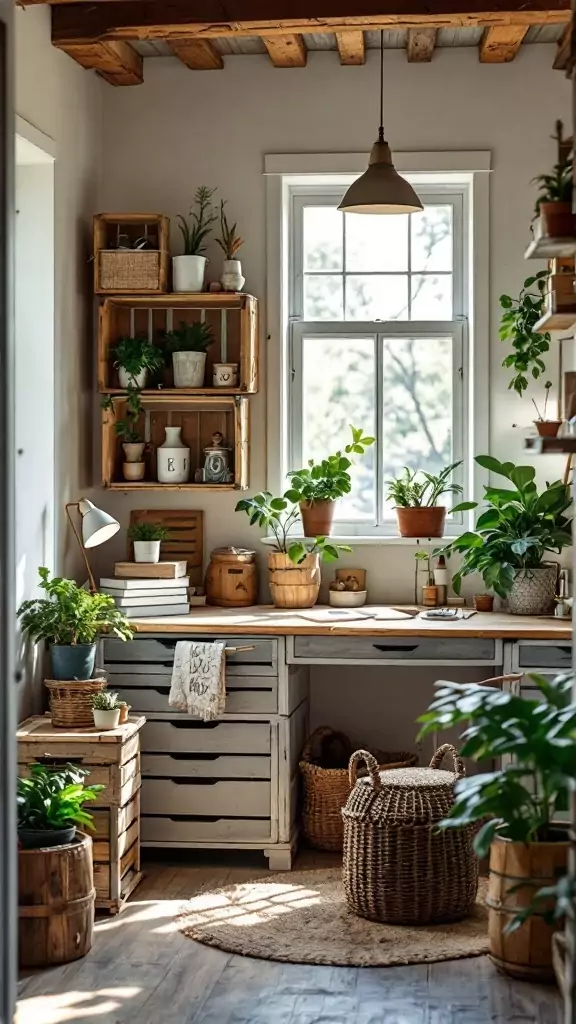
x=173, y=458
x=133, y=470
x=189, y=369
x=225, y=375
x=347, y=598
x=106, y=719
x=137, y=380
x=231, y=278
x=146, y=550
x=188, y=273
x=133, y=450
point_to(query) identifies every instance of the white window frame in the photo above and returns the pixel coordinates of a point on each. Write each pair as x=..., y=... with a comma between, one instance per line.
x=291, y=176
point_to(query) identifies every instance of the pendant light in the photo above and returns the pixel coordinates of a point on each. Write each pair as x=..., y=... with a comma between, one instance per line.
x=380, y=189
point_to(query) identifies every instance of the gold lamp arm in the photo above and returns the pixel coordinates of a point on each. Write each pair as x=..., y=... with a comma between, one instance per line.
x=76, y=504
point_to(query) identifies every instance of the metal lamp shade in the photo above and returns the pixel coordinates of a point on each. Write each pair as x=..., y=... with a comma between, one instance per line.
x=380, y=189
x=97, y=526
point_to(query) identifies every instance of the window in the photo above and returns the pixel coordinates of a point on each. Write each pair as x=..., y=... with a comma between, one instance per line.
x=377, y=338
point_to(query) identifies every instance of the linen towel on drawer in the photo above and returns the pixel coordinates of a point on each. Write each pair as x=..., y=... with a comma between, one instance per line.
x=198, y=683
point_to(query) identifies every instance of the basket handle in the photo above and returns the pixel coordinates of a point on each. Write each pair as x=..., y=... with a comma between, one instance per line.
x=440, y=754
x=371, y=764
x=319, y=734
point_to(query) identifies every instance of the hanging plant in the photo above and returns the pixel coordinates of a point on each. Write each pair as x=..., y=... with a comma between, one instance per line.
x=517, y=325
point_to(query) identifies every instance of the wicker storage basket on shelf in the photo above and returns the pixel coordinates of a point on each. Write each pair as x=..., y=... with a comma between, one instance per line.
x=71, y=702
x=124, y=271
x=326, y=788
x=397, y=867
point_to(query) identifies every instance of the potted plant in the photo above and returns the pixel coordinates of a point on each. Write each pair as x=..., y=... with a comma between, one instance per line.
x=134, y=358
x=554, y=202
x=517, y=326
x=317, y=487
x=231, y=278
x=189, y=269
x=146, y=538
x=70, y=620
x=546, y=428
x=514, y=807
x=106, y=709
x=294, y=566
x=511, y=538
x=416, y=501
x=51, y=805
x=483, y=602
x=133, y=466
x=188, y=345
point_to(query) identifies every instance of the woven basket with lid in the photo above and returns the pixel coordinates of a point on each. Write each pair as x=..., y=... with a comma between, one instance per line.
x=397, y=867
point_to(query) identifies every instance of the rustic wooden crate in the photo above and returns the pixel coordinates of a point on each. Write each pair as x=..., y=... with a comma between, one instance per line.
x=234, y=322
x=199, y=416
x=185, y=542
x=131, y=271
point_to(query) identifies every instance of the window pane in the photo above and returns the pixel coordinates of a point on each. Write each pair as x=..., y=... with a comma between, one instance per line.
x=338, y=388
x=376, y=296
x=417, y=406
x=431, y=297
x=322, y=238
x=323, y=297
x=374, y=242
x=432, y=240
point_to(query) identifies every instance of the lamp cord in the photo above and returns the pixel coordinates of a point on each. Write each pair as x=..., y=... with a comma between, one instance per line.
x=381, y=128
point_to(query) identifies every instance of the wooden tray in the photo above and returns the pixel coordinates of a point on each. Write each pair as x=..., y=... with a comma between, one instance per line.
x=186, y=540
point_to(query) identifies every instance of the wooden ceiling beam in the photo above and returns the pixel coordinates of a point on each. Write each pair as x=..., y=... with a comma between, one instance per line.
x=286, y=51
x=500, y=43
x=117, y=62
x=205, y=19
x=197, y=54
x=421, y=43
x=351, y=47
x=563, y=49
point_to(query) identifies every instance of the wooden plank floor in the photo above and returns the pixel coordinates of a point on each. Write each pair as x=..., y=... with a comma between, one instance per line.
x=142, y=970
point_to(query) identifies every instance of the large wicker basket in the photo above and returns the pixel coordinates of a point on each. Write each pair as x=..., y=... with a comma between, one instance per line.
x=130, y=270
x=71, y=702
x=397, y=866
x=326, y=789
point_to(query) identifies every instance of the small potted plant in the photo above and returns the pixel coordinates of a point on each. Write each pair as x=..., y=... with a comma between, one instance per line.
x=416, y=500
x=147, y=538
x=231, y=278
x=188, y=345
x=546, y=428
x=70, y=620
x=517, y=323
x=317, y=486
x=51, y=805
x=483, y=602
x=190, y=268
x=294, y=567
x=554, y=202
x=133, y=466
x=106, y=709
x=134, y=359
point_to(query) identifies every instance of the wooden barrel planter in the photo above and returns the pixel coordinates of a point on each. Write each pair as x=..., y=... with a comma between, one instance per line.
x=526, y=952
x=294, y=586
x=55, y=903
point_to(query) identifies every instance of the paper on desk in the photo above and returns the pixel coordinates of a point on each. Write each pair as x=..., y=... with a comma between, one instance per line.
x=334, y=614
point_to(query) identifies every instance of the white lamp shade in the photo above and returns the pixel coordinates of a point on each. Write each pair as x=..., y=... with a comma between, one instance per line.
x=380, y=189
x=97, y=525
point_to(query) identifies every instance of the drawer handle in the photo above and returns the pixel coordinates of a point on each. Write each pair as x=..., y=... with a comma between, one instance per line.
x=193, y=757
x=53, y=762
x=186, y=781
x=395, y=650
x=194, y=725
x=566, y=650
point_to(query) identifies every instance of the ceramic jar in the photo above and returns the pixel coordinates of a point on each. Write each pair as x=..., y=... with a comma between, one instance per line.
x=225, y=375
x=173, y=458
x=231, y=278
x=188, y=273
x=189, y=369
x=147, y=551
x=137, y=380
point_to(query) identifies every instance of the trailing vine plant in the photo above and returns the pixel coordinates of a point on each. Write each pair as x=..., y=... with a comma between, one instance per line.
x=517, y=325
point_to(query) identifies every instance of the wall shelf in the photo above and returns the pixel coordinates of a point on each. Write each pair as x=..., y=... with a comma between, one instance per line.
x=550, y=445
x=547, y=248
x=555, y=321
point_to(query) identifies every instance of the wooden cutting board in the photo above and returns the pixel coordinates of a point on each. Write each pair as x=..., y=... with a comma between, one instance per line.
x=186, y=540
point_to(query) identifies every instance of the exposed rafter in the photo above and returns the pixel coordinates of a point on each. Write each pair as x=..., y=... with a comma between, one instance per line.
x=351, y=47
x=500, y=43
x=563, y=49
x=286, y=51
x=421, y=43
x=117, y=62
x=197, y=54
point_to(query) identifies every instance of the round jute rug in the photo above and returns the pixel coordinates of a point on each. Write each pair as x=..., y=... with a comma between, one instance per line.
x=301, y=917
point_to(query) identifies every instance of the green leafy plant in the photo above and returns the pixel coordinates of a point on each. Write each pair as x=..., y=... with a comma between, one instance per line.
x=194, y=337
x=135, y=355
x=329, y=479
x=414, y=489
x=517, y=326
x=50, y=799
x=229, y=241
x=106, y=700
x=516, y=529
x=542, y=417
x=127, y=427
x=69, y=614
x=148, y=531
x=280, y=515
x=557, y=186
x=201, y=218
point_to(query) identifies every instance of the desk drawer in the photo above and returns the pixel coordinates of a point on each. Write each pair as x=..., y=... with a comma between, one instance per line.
x=190, y=736
x=260, y=659
x=173, y=830
x=224, y=798
x=214, y=766
x=381, y=650
x=544, y=656
x=244, y=694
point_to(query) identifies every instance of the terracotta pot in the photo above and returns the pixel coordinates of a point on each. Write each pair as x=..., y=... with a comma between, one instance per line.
x=526, y=952
x=421, y=522
x=557, y=220
x=548, y=428
x=484, y=602
x=294, y=586
x=317, y=517
x=430, y=595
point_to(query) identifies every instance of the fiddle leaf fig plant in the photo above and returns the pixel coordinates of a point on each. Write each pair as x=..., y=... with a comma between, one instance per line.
x=517, y=327
x=280, y=516
x=329, y=479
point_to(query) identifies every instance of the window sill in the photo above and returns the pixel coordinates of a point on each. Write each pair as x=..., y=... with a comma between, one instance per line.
x=374, y=541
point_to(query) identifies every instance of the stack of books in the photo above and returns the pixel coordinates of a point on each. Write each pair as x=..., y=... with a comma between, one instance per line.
x=142, y=589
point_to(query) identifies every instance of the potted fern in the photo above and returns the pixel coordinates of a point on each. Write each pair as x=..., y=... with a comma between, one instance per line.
x=416, y=498
x=51, y=805
x=554, y=202
x=190, y=268
x=147, y=538
x=106, y=709
x=188, y=345
x=231, y=278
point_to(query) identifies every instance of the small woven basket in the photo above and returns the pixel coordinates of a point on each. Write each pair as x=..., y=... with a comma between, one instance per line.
x=130, y=270
x=397, y=866
x=326, y=789
x=71, y=702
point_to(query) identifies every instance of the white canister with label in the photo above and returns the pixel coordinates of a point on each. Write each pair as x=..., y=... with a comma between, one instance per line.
x=173, y=458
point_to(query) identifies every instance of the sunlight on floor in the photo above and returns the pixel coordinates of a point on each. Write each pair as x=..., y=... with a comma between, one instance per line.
x=139, y=912
x=248, y=905
x=71, y=1006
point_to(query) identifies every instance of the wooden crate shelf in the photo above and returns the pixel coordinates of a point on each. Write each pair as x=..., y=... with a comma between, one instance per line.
x=550, y=445
x=199, y=416
x=233, y=318
x=118, y=272
x=547, y=248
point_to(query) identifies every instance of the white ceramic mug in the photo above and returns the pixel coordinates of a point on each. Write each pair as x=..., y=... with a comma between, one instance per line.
x=225, y=375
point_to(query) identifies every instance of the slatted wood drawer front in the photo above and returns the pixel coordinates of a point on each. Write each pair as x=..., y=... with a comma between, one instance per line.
x=543, y=656
x=260, y=658
x=245, y=799
x=173, y=830
x=214, y=766
x=189, y=736
x=378, y=650
x=150, y=692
